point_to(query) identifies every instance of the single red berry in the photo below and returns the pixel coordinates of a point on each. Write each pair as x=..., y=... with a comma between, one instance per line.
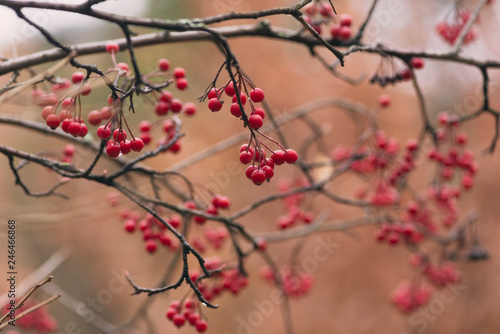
x=190, y=108
x=335, y=31
x=151, y=246
x=345, y=33
x=77, y=77
x=290, y=156
x=136, y=145
x=146, y=137
x=94, y=117
x=201, y=326
x=243, y=98
x=46, y=111
x=255, y=122
x=171, y=311
x=119, y=135
x=53, y=121
x=166, y=96
x=278, y=157
x=345, y=20
x=163, y=64
x=74, y=128
x=64, y=114
x=260, y=112
x=258, y=177
x=181, y=83
x=112, y=47
x=246, y=147
x=125, y=147
x=213, y=93
x=179, y=73
x=461, y=138
x=162, y=108
x=69, y=150
x=268, y=171
x=214, y=104
x=176, y=105
x=326, y=10
x=417, y=63
x=179, y=320
x=145, y=126
x=106, y=113
x=412, y=144
x=246, y=157
x=261, y=243
x=86, y=90
x=384, y=100
x=220, y=201
x=229, y=90
x=235, y=110
x=257, y=95
x=65, y=124
x=83, y=130
x=103, y=132
x=123, y=66
x=129, y=225
x=113, y=150
x=176, y=147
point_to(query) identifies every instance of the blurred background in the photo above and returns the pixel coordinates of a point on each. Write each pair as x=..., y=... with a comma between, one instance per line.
x=352, y=286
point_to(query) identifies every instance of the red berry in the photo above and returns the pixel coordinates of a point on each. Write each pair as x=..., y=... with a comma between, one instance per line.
x=46, y=111
x=64, y=114
x=214, y=104
x=181, y=83
x=112, y=47
x=213, y=93
x=151, y=246
x=103, y=132
x=136, y=145
x=290, y=156
x=77, y=77
x=220, y=201
x=53, y=121
x=384, y=100
x=190, y=108
x=123, y=66
x=171, y=311
x=278, y=157
x=83, y=130
x=69, y=150
x=235, y=110
x=461, y=138
x=119, y=135
x=255, y=122
x=260, y=112
x=145, y=126
x=163, y=64
x=201, y=326
x=86, y=90
x=417, y=63
x=94, y=117
x=345, y=20
x=106, y=113
x=113, y=150
x=129, y=225
x=258, y=177
x=257, y=95
x=176, y=105
x=179, y=320
x=411, y=144
x=229, y=90
x=146, y=138
x=166, y=96
x=345, y=33
x=65, y=124
x=179, y=73
x=335, y=31
x=243, y=98
x=161, y=108
x=268, y=171
x=246, y=157
x=74, y=128
x=125, y=147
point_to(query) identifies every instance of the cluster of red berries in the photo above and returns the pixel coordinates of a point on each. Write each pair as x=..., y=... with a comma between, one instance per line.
x=262, y=168
x=409, y=296
x=38, y=321
x=218, y=202
x=388, y=73
x=392, y=233
x=180, y=312
x=120, y=144
x=449, y=30
x=318, y=14
x=295, y=282
x=152, y=230
x=439, y=275
x=292, y=204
